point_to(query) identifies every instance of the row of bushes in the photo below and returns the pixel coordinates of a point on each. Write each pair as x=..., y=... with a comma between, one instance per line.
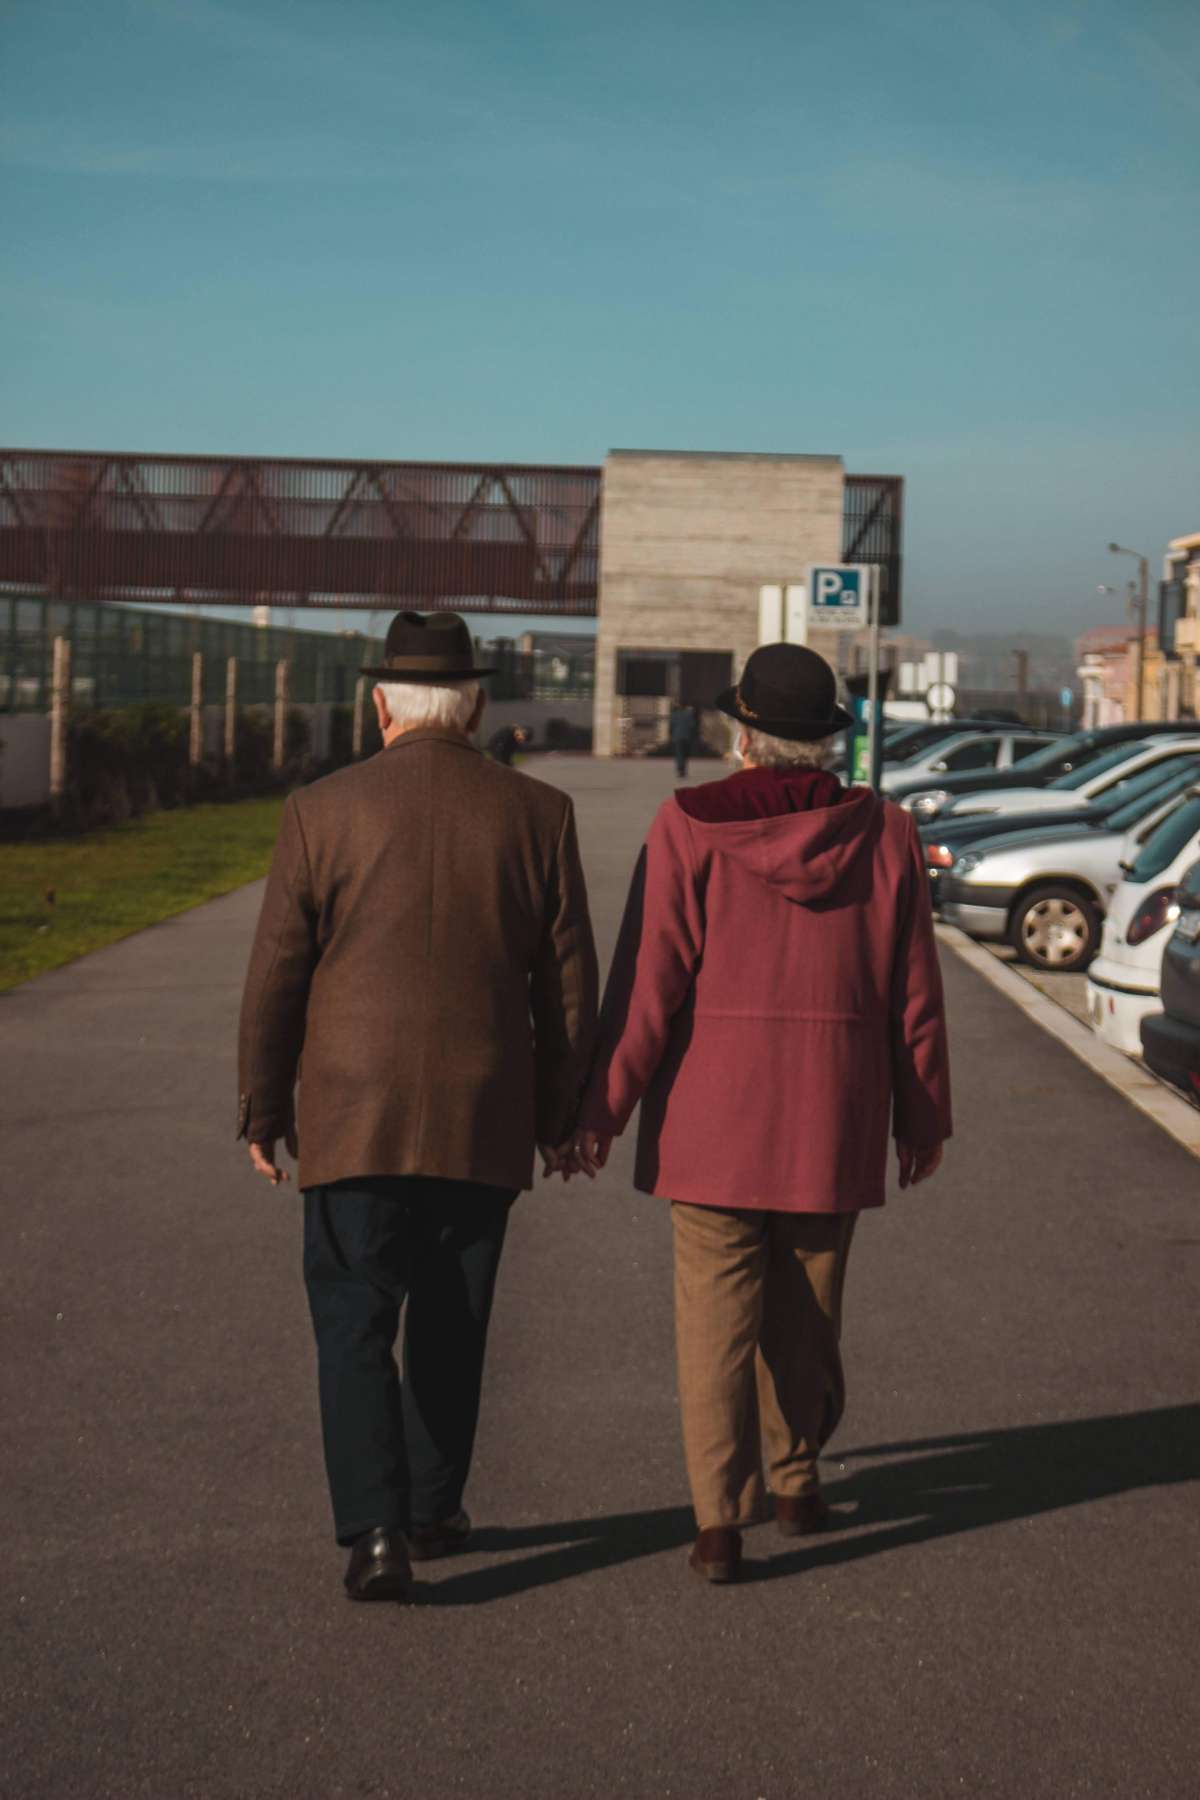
x=134, y=759
x=130, y=760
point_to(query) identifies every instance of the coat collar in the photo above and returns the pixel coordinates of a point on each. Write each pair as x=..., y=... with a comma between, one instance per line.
x=425, y=734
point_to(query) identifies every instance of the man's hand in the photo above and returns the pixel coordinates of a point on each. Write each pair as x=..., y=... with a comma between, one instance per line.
x=917, y=1165
x=591, y=1152
x=558, y=1160
x=262, y=1156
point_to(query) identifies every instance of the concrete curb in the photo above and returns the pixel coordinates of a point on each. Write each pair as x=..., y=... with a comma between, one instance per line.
x=1150, y=1096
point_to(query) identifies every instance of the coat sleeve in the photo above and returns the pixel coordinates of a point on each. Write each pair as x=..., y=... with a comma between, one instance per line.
x=275, y=999
x=659, y=946
x=920, y=1049
x=563, y=991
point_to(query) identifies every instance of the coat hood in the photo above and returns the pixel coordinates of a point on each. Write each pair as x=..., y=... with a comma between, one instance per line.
x=799, y=831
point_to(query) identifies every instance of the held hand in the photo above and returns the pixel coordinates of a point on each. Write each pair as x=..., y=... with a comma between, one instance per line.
x=558, y=1160
x=591, y=1152
x=262, y=1156
x=917, y=1165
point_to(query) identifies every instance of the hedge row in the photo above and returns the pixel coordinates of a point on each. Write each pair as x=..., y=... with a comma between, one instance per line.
x=134, y=759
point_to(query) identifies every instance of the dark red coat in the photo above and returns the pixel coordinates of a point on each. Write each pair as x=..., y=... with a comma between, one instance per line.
x=775, y=998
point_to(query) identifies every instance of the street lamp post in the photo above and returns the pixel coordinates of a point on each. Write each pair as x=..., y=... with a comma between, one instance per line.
x=1142, y=604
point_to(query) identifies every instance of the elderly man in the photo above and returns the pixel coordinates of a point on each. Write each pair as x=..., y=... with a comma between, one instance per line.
x=774, y=998
x=425, y=940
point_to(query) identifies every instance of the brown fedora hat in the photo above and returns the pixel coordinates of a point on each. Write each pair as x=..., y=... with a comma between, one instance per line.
x=428, y=647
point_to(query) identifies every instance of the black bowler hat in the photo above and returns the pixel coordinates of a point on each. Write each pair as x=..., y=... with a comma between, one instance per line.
x=428, y=647
x=787, y=691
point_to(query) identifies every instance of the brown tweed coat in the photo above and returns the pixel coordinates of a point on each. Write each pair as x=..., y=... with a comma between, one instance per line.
x=425, y=941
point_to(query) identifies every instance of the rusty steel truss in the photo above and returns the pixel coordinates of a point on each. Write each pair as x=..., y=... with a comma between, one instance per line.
x=237, y=531
x=242, y=531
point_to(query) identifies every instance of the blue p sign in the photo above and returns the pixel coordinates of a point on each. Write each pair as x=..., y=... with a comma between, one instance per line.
x=839, y=595
x=837, y=588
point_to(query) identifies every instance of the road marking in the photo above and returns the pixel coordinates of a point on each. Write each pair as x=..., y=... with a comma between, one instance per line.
x=1149, y=1095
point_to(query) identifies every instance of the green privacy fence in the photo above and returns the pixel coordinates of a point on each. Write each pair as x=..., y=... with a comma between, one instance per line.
x=121, y=655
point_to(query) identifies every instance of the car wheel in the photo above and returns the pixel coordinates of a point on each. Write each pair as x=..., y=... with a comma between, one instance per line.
x=1055, y=928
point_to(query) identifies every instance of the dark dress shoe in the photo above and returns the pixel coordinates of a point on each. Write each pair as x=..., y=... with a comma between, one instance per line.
x=427, y=1541
x=379, y=1568
x=717, y=1554
x=800, y=1518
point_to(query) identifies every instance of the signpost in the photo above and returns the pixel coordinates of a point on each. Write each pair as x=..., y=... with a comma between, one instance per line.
x=845, y=597
x=839, y=595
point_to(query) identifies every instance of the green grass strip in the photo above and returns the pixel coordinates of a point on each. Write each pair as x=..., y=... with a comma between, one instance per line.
x=114, y=882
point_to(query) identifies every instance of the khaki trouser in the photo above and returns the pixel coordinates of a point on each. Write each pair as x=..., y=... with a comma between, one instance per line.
x=758, y=1303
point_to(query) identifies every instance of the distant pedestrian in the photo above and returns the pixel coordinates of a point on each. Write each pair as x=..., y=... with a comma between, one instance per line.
x=504, y=744
x=684, y=729
x=774, y=997
x=424, y=939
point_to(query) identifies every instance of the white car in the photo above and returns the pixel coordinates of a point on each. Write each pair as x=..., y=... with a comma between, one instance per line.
x=1045, y=890
x=1102, y=776
x=1123, y=982
x=958, y=755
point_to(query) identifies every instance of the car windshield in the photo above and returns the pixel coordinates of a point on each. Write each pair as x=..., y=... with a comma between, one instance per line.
x=1166, y=841
x=908, y=744
x=939, y=745
x=1128, y=801
x=1112, y=759
x=1060, y=750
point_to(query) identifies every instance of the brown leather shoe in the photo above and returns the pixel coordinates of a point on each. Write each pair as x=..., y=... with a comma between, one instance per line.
x=717, y=1554
x=801, y=1517
x=379, y=1568
x=427, y=1541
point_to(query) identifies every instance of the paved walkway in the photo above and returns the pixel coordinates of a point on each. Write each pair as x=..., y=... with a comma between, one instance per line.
x=1007, y=1608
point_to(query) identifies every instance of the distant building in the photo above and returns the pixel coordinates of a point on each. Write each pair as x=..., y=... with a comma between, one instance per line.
x=1104, y=672
x=1108, y=655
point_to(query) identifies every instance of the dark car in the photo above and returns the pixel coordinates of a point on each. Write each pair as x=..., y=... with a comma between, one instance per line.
x=910, y=737
x=1171, y=1038
x=1121, y=807
x=1039, y=770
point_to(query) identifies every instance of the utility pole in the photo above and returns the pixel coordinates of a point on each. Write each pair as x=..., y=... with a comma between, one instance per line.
x=1022, y=657
x=1143, y=602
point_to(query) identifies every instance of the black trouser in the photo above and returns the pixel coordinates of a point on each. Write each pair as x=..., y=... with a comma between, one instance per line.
x=399, y=1454
x=682, y=752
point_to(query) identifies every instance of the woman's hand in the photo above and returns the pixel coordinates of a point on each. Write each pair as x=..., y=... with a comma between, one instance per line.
x=591, y=1152
x=917, y=1165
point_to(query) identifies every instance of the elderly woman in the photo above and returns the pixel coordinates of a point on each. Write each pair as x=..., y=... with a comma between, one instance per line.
x=774, y=1000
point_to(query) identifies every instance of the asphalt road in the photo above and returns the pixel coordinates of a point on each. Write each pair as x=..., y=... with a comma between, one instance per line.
x=1008, y=1606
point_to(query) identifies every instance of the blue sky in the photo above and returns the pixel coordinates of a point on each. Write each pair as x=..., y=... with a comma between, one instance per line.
x=951, y=239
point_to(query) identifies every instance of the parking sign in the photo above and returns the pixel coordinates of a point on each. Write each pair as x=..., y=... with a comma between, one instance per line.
x=838, y=596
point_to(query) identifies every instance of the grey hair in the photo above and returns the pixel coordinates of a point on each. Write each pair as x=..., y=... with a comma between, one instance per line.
x=766, y=752
x=444, y=704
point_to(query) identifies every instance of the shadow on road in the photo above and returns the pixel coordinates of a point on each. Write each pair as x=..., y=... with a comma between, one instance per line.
x=910, y=1494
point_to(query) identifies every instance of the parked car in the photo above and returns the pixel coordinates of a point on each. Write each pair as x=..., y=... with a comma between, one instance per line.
x=1104, y=775
x=1123, y=982
x=1171, y=1038
x=1120, y=809
x=1044, y=766
x=968, y=750
x=904, y=742
x=905, y=738
x=1046, y=891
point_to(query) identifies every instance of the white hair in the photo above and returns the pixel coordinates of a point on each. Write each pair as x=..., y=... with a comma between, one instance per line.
x=766, y=752
x=445, y=704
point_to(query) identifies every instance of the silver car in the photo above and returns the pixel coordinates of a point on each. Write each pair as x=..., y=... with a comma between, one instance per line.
x=1045, y=891
x=1103, y=775
x=982, y=750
